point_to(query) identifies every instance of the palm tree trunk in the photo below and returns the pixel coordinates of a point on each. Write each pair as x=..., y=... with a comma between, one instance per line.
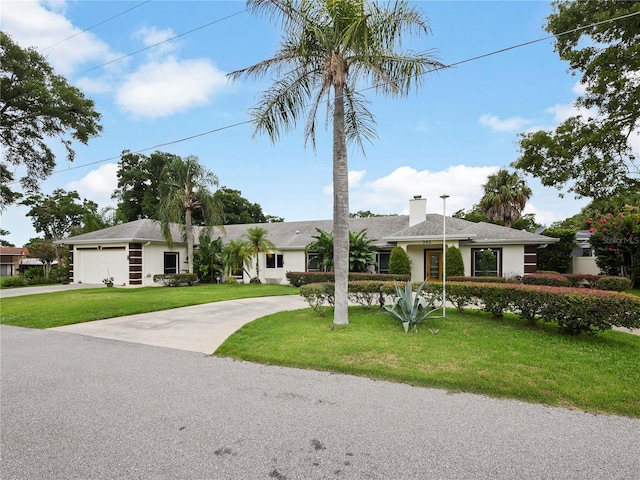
x=340, y=211
x=257, y=264
x=188, y=226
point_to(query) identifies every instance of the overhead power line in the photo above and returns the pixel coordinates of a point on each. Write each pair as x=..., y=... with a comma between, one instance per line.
x=470, y=59
x=96, y=25
x=163, y=41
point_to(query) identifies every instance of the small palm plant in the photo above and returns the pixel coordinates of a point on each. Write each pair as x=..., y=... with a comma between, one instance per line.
x=409, y=308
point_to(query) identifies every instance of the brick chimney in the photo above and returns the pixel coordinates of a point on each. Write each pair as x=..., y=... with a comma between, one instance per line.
x=417, y=210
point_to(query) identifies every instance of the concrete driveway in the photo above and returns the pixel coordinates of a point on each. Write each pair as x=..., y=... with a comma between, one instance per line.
x=199, y=328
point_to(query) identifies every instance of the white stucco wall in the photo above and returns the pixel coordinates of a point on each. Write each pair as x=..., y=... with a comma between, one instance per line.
x=512, y=260
x=153, y=260
x=293, y=261
x=91, y=265
x=585, y=265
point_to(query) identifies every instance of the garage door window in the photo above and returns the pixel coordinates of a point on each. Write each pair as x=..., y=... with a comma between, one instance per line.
x=170, y=262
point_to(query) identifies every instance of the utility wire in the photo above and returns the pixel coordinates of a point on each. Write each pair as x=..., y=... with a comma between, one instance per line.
x=477, y=57
x=163, y=41
x=96, y=25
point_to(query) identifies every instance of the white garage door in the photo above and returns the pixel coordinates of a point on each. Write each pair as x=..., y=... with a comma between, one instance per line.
x=92, y=266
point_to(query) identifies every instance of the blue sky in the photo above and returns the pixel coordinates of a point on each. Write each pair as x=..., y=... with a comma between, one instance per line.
x=461, y=126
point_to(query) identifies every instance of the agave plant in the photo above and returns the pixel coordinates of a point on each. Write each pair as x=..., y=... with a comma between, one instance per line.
x=409, y=308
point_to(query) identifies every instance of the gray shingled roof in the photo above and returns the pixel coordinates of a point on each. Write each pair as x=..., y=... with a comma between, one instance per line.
x=296, y=235
x=144, y=230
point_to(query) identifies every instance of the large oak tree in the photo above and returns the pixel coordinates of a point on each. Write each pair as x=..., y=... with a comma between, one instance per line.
x=593, y=155
x=36, y=105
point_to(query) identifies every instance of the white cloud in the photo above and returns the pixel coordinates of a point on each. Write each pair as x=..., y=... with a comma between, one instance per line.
x=98, y=185
x=562, y=112
x=43, y=25
x=579, y=88
x=153, y=36
x=391, y=193
x=354, y=177
x=161, y=89
x=513, y=124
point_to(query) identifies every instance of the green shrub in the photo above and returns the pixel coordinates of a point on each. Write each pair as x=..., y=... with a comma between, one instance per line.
x=617, y=284
x=557, y=256
x=551, y=280
x=176, y=279
x=399, y=262
x=33, y=272
x=477, y=279
x=230, y=279
x=365, y=293
x=9, y=282
x=60, y=274
x=455, y=264
x=575, y=310
x=297, y=279
x=579, y=280
x=317, y=294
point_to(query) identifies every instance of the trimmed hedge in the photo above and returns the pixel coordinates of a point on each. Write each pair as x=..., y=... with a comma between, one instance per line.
x=176, y=279
x=617, y=284
x=477, y=279
x=575, y=310
x=298, y=279
x=363, y=292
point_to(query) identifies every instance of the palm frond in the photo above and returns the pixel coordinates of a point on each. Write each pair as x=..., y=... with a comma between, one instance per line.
x=282, y=104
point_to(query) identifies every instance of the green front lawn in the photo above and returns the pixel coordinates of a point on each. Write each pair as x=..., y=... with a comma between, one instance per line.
x=471, y=352
x=49, y=310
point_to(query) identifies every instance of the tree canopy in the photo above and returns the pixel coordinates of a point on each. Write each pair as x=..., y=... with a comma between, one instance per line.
x=56, y=215
x=139, y=180
x=37, y=104
x=593, y=154
x=239, y=210
x=505, y=196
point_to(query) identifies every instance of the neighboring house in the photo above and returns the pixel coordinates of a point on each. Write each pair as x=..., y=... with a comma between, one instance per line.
x=133, y=252
x=10, y=259
x=583, y=257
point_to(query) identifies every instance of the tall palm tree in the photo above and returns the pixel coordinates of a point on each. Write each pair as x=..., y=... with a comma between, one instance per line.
x=329, y=49
x=187, y=191
x=505, y=196
x=257, y=241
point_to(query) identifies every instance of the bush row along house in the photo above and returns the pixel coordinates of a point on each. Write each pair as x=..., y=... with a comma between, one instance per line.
x=134, y=252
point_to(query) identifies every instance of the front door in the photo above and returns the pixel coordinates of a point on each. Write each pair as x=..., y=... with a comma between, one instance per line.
x=434, y=266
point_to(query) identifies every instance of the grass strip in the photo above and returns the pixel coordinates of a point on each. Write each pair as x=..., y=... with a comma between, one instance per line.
x=471, y=352
x=48, y=310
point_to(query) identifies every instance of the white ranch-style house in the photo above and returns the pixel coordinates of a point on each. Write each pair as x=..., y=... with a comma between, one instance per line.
x=132, y=253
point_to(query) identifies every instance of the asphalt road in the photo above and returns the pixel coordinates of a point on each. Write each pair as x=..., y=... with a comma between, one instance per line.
x=79, y=407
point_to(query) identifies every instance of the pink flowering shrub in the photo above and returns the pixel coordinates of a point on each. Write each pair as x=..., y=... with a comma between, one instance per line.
x=616, y=241
x=575, y=310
